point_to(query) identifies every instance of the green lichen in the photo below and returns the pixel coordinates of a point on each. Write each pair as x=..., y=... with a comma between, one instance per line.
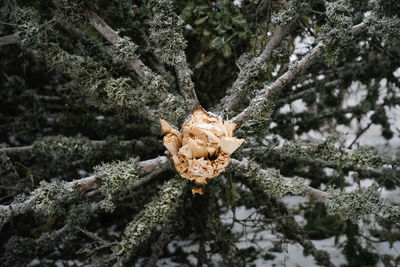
x=166, y=31
x=69, y=12
x=272, y=182
x=49, y=198
x=387, y=28
x=124, y=50
x=258, y=124
x=62, y=148
x=293, y=11
x=363, y=201
x=353, y=205
x=107, y=93
x=162, y=207
x=337, y=31
x=78, y=214
x=115, y=178
x=30, y=32
x=361, y=157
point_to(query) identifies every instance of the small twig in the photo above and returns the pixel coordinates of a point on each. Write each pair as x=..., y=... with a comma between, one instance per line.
x=359, y=134
x=227, y=41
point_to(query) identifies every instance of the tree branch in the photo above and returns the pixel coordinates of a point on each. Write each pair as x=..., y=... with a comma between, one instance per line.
x=186, y=85
x=8, y=39
x=20, y=150
x=272, y=90
x=83, y=184
x=168, y=231
x=313, y=193
x=112, y=36
x=236, y=94
x=380, y=173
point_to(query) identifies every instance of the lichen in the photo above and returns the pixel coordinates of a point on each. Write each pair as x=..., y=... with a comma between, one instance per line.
x=271, y=181
x=353, y=205
x=62, y=148
x=166, y=31
x=69, y=12
x=124, y=50
x=122, y=94
x=115, y=178
x=50, y=197
x=159, y=209
x=363, y=201
x=29, y=30
x=337, y=31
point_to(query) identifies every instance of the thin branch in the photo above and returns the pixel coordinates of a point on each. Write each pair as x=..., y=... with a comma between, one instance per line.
x=359, y=134
x=112, y=36
x=12, y=151
x=272, y=90
x=134, y=63
x=313, y=193
x=148, y=177
x=318, y=162
x=9, y=39
x=20, y=150
x=237, y=92
x=168, y=231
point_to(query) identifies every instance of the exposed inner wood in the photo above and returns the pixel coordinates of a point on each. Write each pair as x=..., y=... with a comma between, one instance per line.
x=202, y=149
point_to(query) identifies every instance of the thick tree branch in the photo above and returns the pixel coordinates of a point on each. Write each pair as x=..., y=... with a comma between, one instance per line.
x=313, y=193
x=112, y=36
x=186, y=85
x=8, y=39
x=83, y=184
x=272, y=90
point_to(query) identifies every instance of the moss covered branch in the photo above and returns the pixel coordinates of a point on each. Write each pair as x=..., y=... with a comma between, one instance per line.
x=163, y=207
x=274, y=184
x=48, y=196
x=271, y=91
x=166, y=34
x=238, y=92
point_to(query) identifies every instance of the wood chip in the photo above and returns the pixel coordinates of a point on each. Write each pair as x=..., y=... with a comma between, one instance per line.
x=202, y=149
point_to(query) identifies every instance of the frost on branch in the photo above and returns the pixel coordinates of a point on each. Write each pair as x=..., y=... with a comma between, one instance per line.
x=203, y=147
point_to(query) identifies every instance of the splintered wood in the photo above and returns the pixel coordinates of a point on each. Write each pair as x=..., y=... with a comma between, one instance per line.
x=202, y=149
